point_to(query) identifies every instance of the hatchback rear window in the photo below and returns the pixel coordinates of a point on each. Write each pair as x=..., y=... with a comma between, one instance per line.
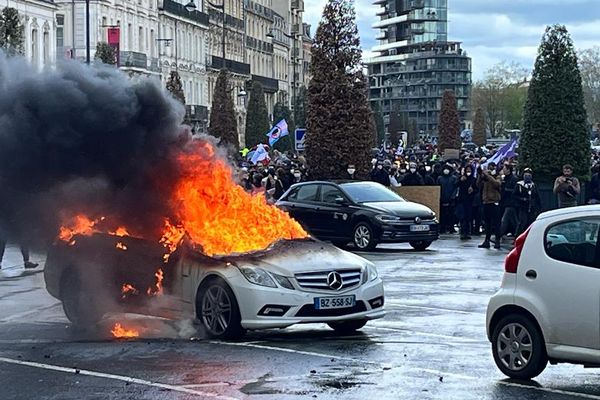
x=574, y=242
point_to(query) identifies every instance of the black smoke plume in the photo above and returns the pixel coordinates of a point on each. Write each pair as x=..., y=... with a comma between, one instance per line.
x=83, y=139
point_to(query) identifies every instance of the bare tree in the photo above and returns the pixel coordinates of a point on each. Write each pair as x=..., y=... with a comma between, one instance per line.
x=589, y=66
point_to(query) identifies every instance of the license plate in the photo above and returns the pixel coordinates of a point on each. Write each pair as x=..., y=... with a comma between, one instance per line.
x=419, y=228
x=327, y=303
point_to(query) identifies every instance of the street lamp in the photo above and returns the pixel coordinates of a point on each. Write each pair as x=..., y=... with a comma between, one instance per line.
x=220, y=7
x=191, y=6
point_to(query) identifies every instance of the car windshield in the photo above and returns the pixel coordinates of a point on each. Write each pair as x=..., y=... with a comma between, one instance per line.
x=370, y=192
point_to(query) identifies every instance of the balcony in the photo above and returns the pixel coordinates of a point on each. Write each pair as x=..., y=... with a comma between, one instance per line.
x=417, y=4
x=196, y=113
x=269, y=85
x=133, y=59
x=178, y=9
x=298, y=5
x=231, y=65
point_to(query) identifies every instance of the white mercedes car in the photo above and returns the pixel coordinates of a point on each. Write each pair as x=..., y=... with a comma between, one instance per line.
x=548, y=308
x=292, y=282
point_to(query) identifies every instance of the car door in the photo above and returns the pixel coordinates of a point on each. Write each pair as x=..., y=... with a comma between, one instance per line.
x=334, y=218
x=567, y=282
x=302, y=204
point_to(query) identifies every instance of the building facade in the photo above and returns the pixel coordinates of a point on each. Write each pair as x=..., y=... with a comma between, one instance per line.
x=415, y=63
x=40, y=30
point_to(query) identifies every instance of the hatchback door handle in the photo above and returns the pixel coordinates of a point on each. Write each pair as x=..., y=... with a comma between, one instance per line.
x=531, y=274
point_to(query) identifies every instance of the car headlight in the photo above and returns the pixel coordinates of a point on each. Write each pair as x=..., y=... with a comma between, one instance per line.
x=283, y=281
x=258, y=276
x=388, y=219
x=370, y=273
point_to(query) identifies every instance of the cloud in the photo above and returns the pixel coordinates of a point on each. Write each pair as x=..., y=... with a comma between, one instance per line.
x=491, y=30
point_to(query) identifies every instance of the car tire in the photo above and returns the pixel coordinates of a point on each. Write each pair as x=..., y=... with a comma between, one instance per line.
x=347, y=327
x=363, y=237
x=420, y=245
x=518, y=347
x=218, y=310
x=82, y=309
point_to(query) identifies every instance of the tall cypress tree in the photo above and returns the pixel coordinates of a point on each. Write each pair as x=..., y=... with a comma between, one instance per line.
x=300, y=108
x=379, y=123
x=257, y=119
x=555, y=123
x=479, y=128
x=449, y=125
x=340, y=126
x=223, y=122
x=12, y=34
x=281, y=111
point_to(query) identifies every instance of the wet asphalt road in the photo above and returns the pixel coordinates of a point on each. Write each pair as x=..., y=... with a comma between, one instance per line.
x=431, y=345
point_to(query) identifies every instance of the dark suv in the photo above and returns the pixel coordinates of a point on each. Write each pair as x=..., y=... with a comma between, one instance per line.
x=364, y=213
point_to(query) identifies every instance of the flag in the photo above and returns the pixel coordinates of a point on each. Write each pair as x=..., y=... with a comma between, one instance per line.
x=260, y=154
x=277, y=132
x=506, y=151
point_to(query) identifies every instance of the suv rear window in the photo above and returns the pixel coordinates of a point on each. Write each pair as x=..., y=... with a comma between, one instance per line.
x=574, y=242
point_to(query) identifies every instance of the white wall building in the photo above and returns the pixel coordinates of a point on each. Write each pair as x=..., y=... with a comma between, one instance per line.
x=37, y=17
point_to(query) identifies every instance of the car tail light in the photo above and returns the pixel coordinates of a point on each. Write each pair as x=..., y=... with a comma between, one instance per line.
x=512, y=259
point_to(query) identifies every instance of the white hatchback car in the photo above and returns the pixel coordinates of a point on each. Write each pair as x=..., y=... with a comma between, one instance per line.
x=548, y=307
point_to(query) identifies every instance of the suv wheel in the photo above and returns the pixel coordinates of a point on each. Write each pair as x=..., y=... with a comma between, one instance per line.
x=82, y=309
x=218, y=310
x=518, y=347
x=421, y=245
x=363, y=238
x=347, y=327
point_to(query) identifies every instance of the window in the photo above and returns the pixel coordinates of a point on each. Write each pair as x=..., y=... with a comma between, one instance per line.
x=574, y=242
x=141, y=39
x=60, y=33
x=305, y=193
x=330, y=193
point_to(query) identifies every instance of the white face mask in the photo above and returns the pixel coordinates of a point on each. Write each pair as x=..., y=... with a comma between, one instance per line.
x=446, y=172
x=494, y=172
x=413, y=170
x=468, y=174
x=297, y=174
x=351, y=171
x=380, y=167
x=402, y=171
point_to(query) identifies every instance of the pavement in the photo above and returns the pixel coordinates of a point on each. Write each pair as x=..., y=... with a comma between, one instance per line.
x=431, y=345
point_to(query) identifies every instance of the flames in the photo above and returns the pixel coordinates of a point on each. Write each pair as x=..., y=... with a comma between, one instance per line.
x=219, y=215
x=121, y=246
x=128, y=290
x=119, y=331
x=120, y=231
x=157, y=289
x=78, y=225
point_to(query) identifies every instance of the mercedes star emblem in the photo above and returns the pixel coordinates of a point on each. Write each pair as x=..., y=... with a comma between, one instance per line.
x=334, y=280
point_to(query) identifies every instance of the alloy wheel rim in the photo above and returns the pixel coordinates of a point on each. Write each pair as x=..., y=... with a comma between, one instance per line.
x=216, y=310
x=362, y=237
x=514, y=346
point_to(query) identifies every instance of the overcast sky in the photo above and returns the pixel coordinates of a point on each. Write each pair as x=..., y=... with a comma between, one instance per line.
x=493, y=30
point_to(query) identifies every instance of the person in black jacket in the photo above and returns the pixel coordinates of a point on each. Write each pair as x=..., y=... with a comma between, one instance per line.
x=467, y=188
x=449, y=186
x=509, y=217
x=595, y=186
x=527, y=198
x=379, y=175
x=412, y=177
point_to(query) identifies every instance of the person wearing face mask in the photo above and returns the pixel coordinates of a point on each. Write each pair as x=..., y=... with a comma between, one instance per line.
x=467, y=187
x=297, y=176
x=509, y=219
x=489, y=183
x=394, y=180
x=351, y=171
x=528, y=201
x=449, y=187
x=379, y=175
x=412, y=177
x=426, y=175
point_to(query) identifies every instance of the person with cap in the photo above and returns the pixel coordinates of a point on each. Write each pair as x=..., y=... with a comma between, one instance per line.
x=528, y=201
x=567, y=188
x=489, y=184
x=412, y=177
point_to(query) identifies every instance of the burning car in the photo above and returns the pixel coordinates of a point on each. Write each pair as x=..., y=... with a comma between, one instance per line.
x=290, y=282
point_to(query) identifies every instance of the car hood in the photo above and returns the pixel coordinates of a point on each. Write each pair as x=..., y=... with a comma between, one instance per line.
x=289, y=257
x=404, y=209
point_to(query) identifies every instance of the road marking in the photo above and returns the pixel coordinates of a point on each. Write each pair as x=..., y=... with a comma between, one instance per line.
x=122, y=378
x=303, y=352
x=397, y=304
x=27, y=313
x=412, y=369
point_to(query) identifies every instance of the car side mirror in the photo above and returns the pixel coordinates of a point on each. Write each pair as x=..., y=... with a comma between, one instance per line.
x=340, y=201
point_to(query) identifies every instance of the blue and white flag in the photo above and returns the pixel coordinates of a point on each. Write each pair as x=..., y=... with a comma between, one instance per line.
x=260, y=154
x=506, y=151
x=279, y=130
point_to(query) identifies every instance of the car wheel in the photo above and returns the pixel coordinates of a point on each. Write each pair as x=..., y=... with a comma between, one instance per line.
x=81, y=308
x=518, y=347
x=219, y=310
x=363, y=238
x=347, y=327
x=421, y=245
